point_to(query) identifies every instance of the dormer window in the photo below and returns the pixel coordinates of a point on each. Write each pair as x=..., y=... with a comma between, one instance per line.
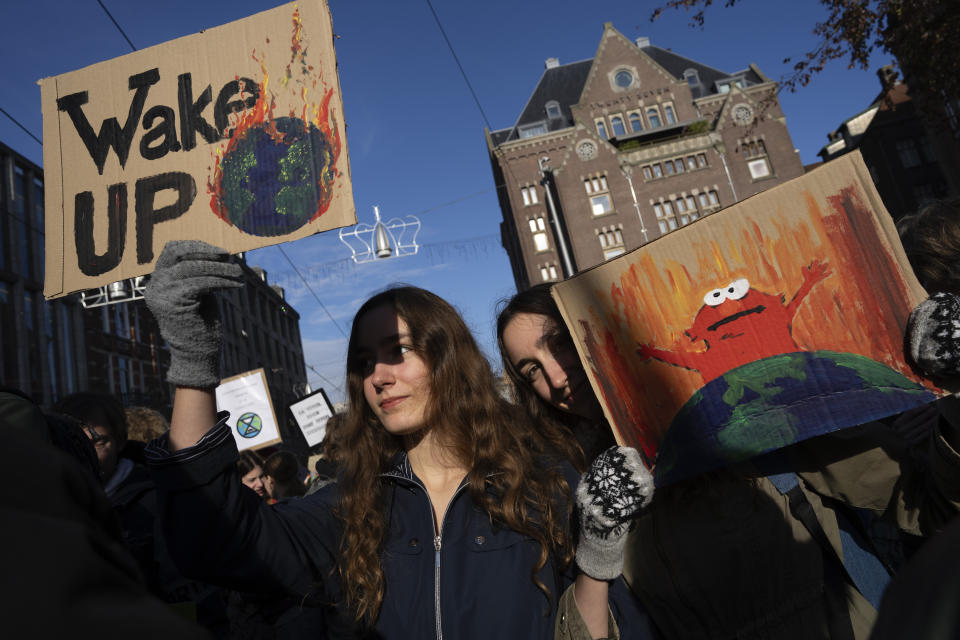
x=553, y=109
x=531, y=130
x=692, y=77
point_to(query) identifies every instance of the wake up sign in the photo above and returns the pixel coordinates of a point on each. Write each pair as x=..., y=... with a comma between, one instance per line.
x=234, y=136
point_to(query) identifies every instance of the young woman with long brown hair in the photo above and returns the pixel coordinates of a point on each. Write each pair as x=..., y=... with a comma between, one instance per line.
x=448, y=519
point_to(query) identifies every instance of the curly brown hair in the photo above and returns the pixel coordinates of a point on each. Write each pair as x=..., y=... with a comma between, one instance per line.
x=931, y=239
x=555, y=426
x=507, y=478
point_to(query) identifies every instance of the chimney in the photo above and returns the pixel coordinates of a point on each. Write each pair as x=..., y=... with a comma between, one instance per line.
x=552, y=63
x=642, y=41
x=887, y=75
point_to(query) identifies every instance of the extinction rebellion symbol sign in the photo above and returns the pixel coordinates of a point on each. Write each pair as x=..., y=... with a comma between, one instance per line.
x=249, y=425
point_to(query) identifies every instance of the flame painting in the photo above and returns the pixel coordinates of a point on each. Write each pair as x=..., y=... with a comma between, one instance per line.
x=767, y=323
x=275, y=173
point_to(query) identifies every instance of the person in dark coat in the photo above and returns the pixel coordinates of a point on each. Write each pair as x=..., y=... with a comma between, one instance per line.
x=66, y=570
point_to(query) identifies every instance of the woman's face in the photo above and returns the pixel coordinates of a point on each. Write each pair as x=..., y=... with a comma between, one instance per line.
x=396, y=381
x=254, y=479
x=550, y=365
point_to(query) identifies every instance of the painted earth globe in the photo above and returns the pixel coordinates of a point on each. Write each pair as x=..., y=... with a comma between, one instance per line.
x=771, y=403
x=277, y=176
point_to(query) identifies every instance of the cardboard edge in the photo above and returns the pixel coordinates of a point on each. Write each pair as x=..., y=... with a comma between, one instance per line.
x=53, y=205
x=585, y=363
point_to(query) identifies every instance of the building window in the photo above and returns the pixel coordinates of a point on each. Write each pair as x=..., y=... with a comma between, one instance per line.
x=601, y=129
x=666, y=219
x=529, y=195
x=616, y=122
x=701, y=160
x=595, y=184
x=757, y=160
x=708, y=201
x=692, y=207
x=691, y=163
x=548, y=272
x=657, y=171
x=653, y=117
x=599, y=204
x=539, y=231
x=531, y=130
x=611, y=241
x=553, y=109
x=623, y=79
x=668, y=114
x=907, y=150
x=692, y=77
x=647, y=173
x=636, y=122
x=668, y=167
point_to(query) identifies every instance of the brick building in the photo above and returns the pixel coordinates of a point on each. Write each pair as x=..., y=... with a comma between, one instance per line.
x=896, y=147
x=628, y=146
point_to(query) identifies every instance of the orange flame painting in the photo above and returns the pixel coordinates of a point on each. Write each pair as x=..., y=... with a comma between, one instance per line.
x=767, y=323
x=276, y=173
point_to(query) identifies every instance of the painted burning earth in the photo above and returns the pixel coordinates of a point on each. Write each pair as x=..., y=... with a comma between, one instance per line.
x=277, y=177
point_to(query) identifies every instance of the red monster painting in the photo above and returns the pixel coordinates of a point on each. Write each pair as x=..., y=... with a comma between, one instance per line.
x=738, y=324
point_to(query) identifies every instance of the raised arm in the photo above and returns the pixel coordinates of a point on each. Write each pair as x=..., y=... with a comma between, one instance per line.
x=180, y=296
x=611, y=493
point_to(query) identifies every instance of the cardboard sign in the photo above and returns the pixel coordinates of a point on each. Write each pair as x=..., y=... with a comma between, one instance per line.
x=311, y=413
x=234, y=136
x=252, y=421
x=769, y=322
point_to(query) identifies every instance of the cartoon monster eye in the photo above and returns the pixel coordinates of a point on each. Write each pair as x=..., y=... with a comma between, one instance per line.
x=715, y=297
x=737, y=289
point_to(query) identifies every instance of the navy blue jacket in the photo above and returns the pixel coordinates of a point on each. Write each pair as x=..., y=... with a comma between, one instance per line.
x=472, y=581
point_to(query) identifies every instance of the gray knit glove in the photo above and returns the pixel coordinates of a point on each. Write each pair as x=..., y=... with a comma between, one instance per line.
x=180, y=297
x=611, y=493
x=933, y=335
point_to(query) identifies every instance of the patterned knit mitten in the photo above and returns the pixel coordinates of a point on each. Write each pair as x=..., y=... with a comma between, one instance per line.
x=933, y=334
x=611, y=493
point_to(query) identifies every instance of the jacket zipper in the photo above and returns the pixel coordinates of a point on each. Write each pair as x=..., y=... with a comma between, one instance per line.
x=437, y=545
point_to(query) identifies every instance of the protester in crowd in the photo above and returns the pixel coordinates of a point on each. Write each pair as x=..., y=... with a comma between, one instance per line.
x=144, y=424
x=931, y=239
x=755, y=551
x=66, y=572
x=533, y=316
x=443, y=522
x=133, y=495
x=921, y=602
x=250, y=468
x=283, y=477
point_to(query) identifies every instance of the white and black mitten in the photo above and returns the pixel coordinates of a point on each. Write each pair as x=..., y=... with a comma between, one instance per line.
x=180, y=297
x=611, y=493
x=933, y=334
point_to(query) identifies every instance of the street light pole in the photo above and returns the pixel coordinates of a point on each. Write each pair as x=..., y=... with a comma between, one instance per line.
x=566, y=261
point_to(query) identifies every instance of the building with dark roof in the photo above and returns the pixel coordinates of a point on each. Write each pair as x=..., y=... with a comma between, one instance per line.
x=893, y=139
x=627, y=146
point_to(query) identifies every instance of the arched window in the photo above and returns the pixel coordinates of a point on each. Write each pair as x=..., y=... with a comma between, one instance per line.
x=636, y=122
x=617, y=123
x=553, y=109
x=668, y=113
x=601, y=129
x=653, y=117
x=692, y=77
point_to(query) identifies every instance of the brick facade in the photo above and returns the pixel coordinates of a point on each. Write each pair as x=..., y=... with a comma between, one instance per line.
x=634, y=143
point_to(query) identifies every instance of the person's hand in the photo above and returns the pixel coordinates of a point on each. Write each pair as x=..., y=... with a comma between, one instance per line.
x=933, y=335
x=611, y=493
x=180, y=297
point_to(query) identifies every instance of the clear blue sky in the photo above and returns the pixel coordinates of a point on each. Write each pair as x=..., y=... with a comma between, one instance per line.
x=415, y=134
